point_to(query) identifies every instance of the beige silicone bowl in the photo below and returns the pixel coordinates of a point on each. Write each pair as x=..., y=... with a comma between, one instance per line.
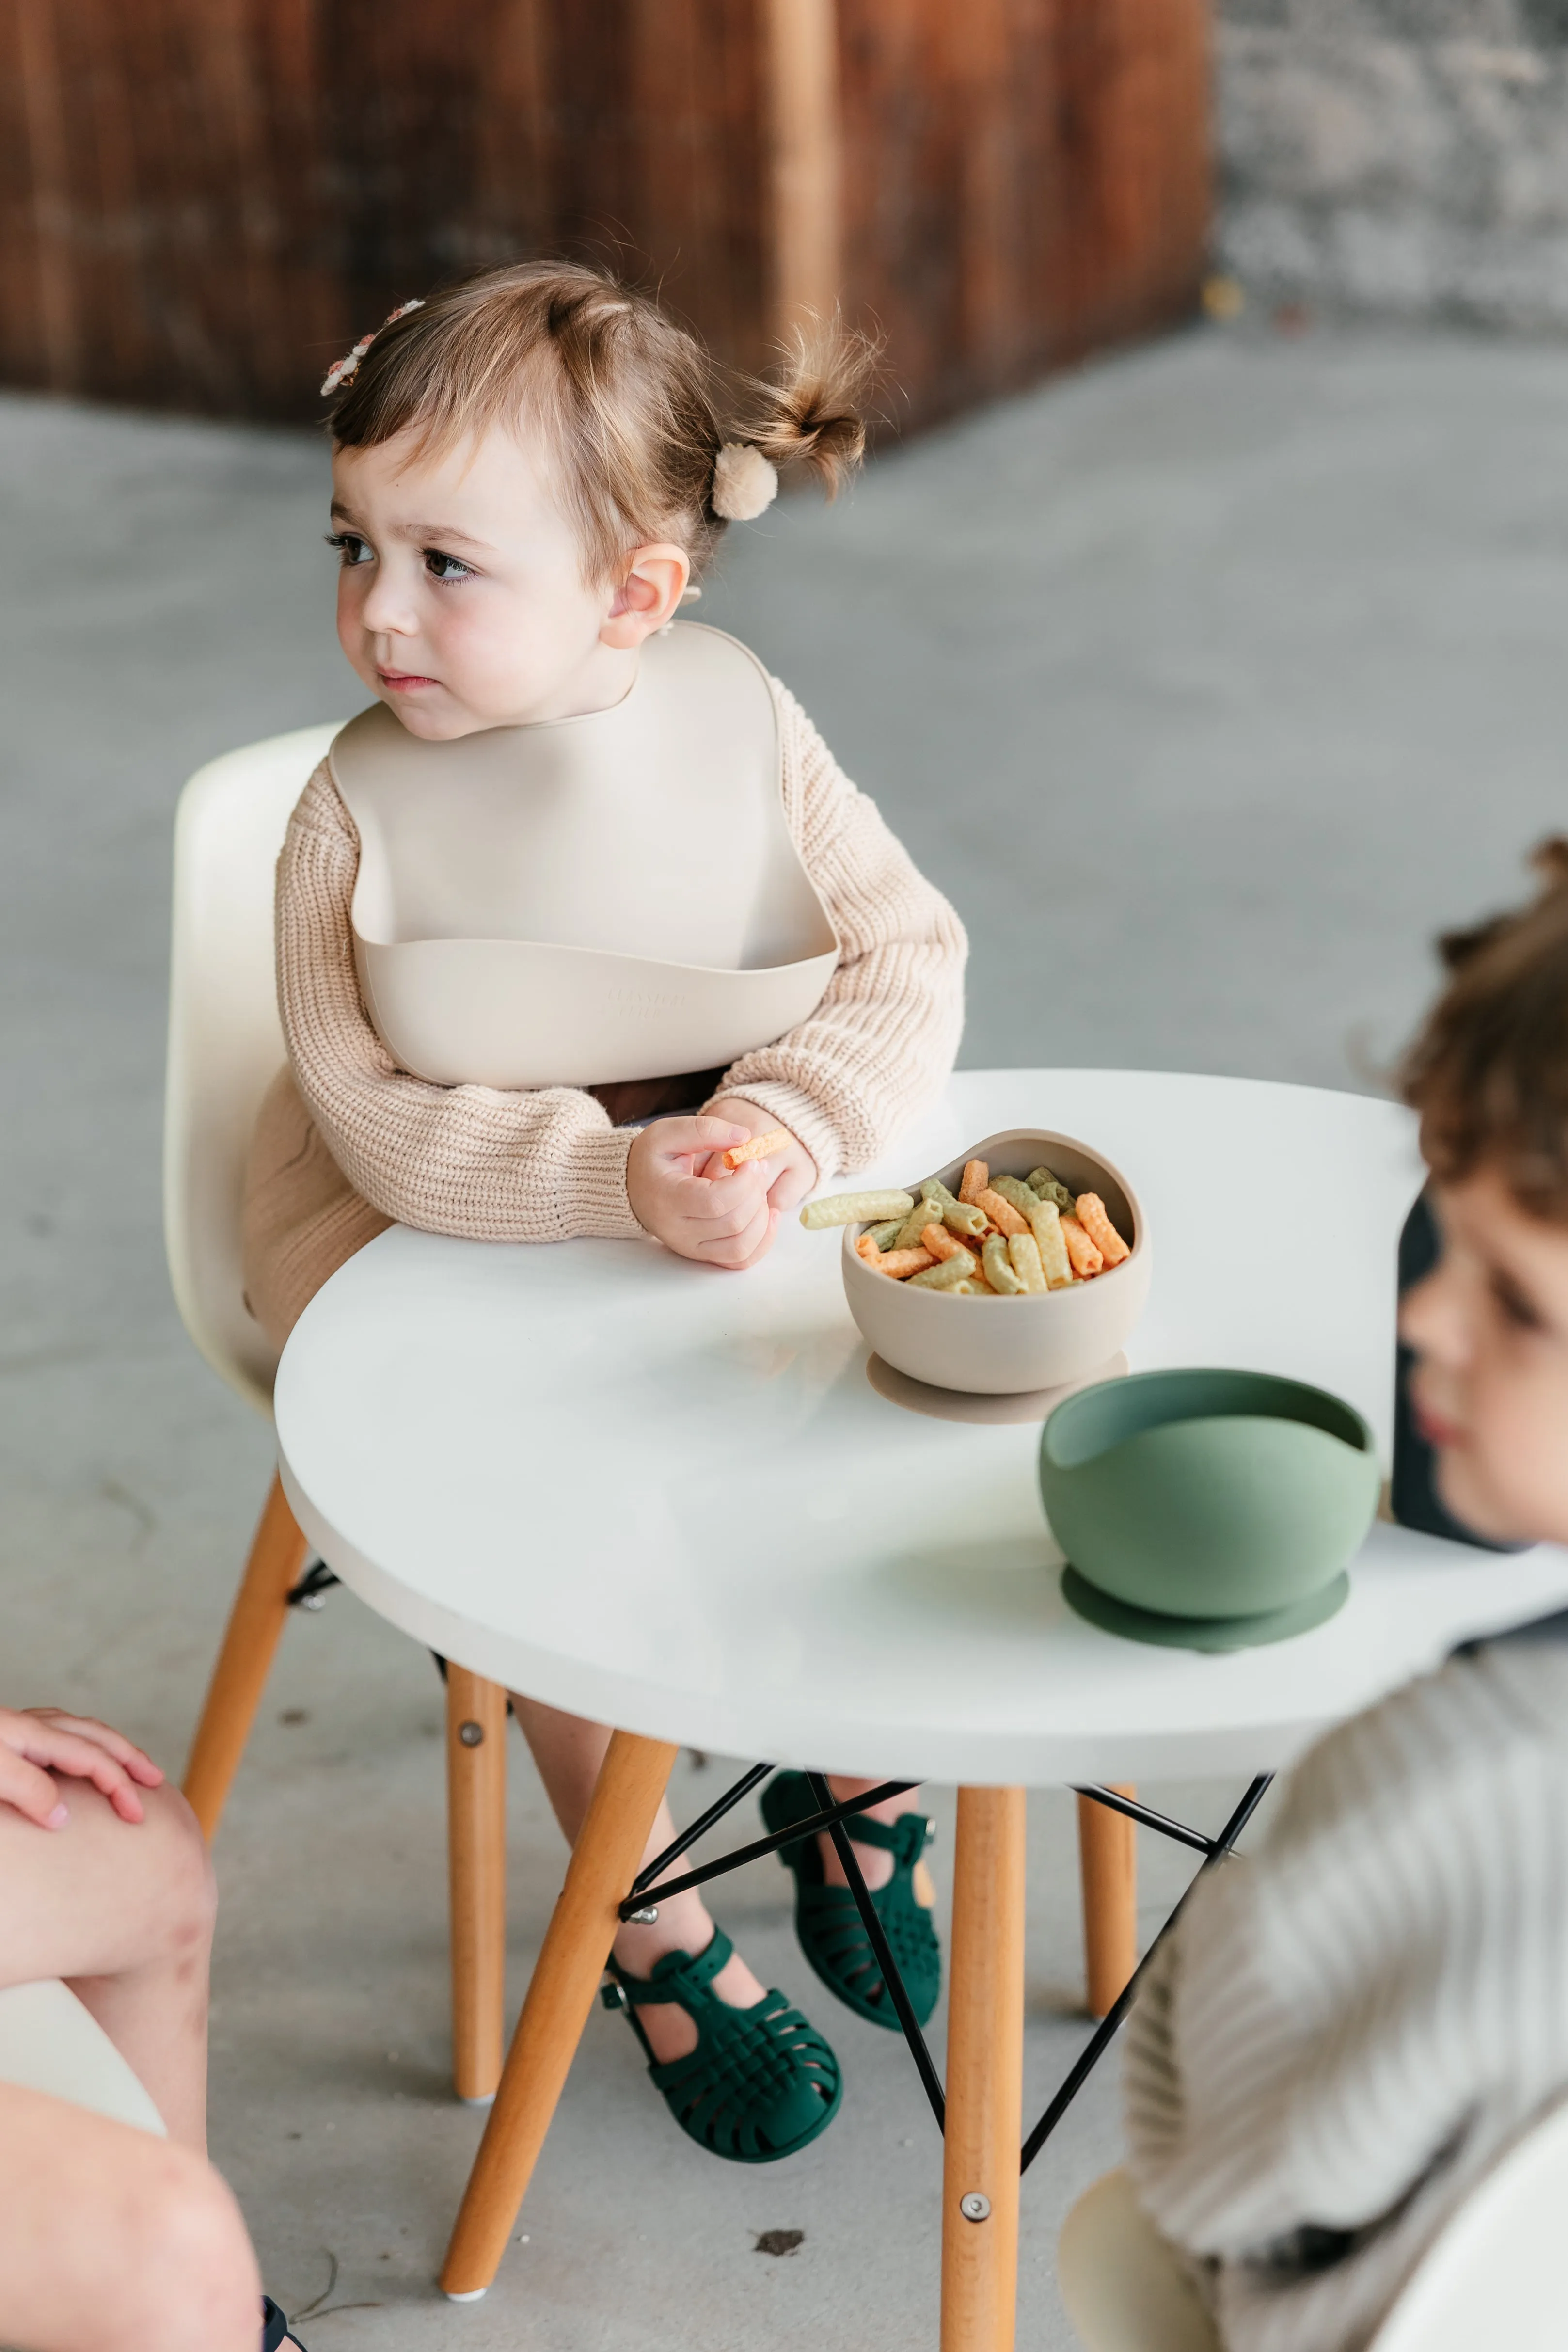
x=999, y=1347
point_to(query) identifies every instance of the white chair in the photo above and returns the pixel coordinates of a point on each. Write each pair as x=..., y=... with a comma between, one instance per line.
x=49, y=2043
x=1493, y=2275
x=225, y=1047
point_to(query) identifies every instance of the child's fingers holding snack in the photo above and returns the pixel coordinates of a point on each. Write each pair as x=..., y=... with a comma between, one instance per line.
x=724, y=1219
x=788, y=1170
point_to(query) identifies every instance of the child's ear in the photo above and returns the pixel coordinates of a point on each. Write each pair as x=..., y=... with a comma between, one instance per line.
x=649, y=595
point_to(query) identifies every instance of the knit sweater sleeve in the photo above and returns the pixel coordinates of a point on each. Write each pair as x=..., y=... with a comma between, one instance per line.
x=474, y=1161
x=881, y=1041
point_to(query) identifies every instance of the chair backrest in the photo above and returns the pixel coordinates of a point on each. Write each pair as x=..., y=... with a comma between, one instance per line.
x=1496, y=2272
x=224, y=1042
x=49, y=2043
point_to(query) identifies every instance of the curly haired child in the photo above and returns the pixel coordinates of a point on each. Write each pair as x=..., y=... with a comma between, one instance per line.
x=1350, y=2026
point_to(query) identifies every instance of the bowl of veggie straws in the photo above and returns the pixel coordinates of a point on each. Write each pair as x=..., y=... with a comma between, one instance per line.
x=1023, y=1265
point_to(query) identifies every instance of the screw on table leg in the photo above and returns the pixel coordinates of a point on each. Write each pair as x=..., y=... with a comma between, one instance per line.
x=476, y=1862
x=985, y=2074
x=313, y=1587
x=700, y=1827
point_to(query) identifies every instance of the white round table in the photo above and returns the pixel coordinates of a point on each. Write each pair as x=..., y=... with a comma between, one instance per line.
x=506, y=1450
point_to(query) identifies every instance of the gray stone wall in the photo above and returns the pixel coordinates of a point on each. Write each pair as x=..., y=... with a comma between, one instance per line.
x=1407, y=157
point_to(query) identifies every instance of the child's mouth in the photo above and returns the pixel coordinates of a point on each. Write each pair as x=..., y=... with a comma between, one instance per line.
x=404, y=681
x=1435, y=1430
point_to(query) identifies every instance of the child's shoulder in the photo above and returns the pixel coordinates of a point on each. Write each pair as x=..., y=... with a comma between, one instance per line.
x=1528, y=1670
x=703, y=660
x=694, y=658
x=1492, y=1710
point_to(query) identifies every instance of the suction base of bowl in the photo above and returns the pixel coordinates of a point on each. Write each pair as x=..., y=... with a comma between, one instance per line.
x=1216, y=1633
x=967, y=1404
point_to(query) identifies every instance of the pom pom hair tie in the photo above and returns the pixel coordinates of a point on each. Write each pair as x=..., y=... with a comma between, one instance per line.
x=344, y=371
x=743, y=482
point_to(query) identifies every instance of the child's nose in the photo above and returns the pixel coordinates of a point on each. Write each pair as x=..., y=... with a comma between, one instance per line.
x=1430, y=1318
x=385, y=611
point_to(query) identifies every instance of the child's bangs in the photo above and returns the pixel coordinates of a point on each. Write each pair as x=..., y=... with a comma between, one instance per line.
x=444, y=387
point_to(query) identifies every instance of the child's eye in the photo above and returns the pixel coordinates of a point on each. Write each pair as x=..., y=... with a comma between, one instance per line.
x=1517, y=1309
x=350, y=547
x=444, y=568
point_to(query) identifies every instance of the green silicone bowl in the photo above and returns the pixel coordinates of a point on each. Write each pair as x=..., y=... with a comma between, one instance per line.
x=1214, y=1499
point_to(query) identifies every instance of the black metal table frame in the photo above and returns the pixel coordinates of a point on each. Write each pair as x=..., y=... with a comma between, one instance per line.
x=648, y=1889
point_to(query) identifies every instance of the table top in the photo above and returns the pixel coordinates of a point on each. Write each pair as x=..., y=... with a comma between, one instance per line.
x=669, y=1497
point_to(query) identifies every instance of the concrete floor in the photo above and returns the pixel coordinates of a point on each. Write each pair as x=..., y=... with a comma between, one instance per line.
x=1209, y=682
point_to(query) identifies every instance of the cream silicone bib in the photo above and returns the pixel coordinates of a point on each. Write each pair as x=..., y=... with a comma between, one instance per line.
x=590, y=899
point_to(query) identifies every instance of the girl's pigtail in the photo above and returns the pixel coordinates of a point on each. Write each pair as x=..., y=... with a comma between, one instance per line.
x=812, y=414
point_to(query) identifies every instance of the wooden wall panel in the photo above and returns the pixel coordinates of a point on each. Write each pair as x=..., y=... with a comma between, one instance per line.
x=204, y=201
x=1025, y=180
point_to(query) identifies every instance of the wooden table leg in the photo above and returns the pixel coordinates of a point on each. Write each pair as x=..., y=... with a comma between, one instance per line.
x=476, y=1867
x=1108, y=1866
x=250, y=1643
x=985, y=2075
x=577, y=1943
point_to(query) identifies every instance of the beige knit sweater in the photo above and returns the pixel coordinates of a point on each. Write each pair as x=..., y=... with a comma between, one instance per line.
x=347, y=1142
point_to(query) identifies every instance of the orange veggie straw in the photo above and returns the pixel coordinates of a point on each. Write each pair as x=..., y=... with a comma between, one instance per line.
x=1096, y=1223
x=1002, y=1213
x=900, y=1263
x=942, y=1243
x=977, y=1176
x=866, y=1247
x=1086, y=1259
x=757, y=1146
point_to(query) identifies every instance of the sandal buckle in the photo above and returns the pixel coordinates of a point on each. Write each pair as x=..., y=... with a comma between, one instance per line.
x=612, y=1995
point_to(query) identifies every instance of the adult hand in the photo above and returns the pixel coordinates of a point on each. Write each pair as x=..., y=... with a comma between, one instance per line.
x=40, y=1740
x=718, y=1219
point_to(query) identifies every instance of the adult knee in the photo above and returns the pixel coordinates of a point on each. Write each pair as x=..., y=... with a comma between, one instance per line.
x=190, y=2282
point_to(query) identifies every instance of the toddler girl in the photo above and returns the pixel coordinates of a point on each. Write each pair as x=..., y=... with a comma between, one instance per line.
x=581, y=902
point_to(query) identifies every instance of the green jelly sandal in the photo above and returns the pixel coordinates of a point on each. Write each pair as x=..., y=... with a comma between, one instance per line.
x=760, y=2083
x=828, y=1922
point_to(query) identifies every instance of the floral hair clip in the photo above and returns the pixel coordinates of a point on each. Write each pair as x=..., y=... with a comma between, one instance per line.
x=744, y=482
x=344, y=371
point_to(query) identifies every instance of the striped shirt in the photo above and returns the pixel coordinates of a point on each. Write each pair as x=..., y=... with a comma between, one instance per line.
x=1351, y=2022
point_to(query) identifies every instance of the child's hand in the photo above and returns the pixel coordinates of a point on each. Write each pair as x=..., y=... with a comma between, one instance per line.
x=724, y=1219
x=789, y=1175
x=72, y=1744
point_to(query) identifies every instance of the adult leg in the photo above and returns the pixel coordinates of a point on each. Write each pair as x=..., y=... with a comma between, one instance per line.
x=123, y=1912
x=568, y=1751
x=112, y=2240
